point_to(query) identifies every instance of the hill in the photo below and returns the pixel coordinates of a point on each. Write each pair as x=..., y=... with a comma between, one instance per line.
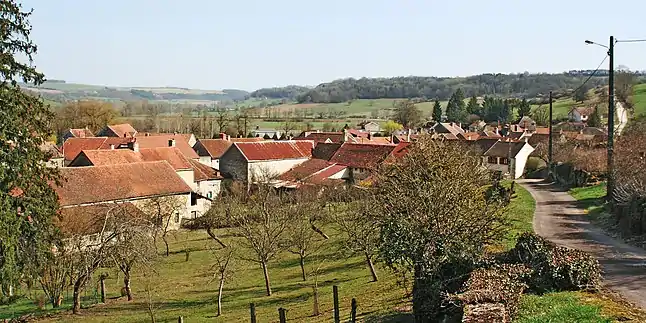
x=61, y=91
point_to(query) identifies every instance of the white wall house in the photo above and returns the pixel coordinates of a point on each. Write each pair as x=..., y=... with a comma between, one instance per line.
x=259, y=161
x=508, y=157
x=580, y=114
x=210, y=150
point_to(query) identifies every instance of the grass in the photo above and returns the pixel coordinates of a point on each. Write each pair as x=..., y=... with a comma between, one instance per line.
x=521, y=214
x=559, y=307
x=591, y=198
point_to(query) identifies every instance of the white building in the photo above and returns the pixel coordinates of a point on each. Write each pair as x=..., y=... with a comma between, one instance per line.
x=580, y=114
x=508, y=157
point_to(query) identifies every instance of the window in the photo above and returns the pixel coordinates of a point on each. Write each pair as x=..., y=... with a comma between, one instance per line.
x=492, y=160
x=176, y=216
x=193, y=199
x=193, y=214
x=504, y=161
x=209, y=194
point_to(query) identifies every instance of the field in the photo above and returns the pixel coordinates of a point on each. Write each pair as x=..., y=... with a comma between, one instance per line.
x=187, y=288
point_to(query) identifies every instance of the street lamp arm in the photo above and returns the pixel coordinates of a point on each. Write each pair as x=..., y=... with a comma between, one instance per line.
x=589, y=42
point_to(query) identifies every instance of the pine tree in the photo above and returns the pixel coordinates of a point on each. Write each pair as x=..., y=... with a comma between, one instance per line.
x=27, y=201
x=437, y=111
x=473, y=107
x=524, y=109
x=456, y=109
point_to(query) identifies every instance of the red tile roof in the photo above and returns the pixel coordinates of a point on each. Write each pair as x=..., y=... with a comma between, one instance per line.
x=542, y=130
x=324, y=175
x=364, y=156
x=170, y=154
x=325, y=150
x=85, y=185
x=163, y=141
x=203, y=172
x=125, y=156
x=81, y=133
x=274, y=150
x=73, y=146
x=321, y=137
x=469, y=136
x=214, y=148
x=122, y=130
x=305, y=170
x=254, y=139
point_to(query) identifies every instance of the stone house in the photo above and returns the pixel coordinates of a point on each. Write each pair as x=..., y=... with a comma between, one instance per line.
x=133, y=183
x=361, y=159
x=251, y=162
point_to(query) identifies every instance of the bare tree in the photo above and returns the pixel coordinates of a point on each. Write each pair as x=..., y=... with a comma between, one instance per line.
x=165, y=215
x=222, y=270
x=624, y=82
x=222, y=118
x=55, y=277
x=288, y=126
x=262, y=220
x=352, y=212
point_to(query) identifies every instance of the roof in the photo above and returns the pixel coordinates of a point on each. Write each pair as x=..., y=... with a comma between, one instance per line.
x=125, y=156
x=121, y=130
x=325, y=150
x=81, y=133
x=186, y=136
x=304, y=170
x=275, y=150
x=85, y=185
x=213, y=148
x=73, y=146
x=162, y=141
x=527, y=122
x=505, y=149
x=335, y=137
x=89, y=219
x=203, y=172
x=469, y=136
x=366, y=156
x=484, y=143
x=452, y=128
x=253, y=139
x=584, y=111
x=542, y=130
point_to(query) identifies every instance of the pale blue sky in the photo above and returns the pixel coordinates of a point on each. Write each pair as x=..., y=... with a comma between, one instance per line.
x=248, y=44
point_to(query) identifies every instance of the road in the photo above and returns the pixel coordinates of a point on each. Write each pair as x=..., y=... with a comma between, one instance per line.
x=559, y=219
x=622, y=117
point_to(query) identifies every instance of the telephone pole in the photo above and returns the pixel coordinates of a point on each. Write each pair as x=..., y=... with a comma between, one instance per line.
x=550, y=161
x=611, y=120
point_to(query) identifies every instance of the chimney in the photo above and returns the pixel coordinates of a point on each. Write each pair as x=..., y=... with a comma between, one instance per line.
x=135, y=145
x=369, y=136
x=223, y=136
x=111, y=146
x=171, y=143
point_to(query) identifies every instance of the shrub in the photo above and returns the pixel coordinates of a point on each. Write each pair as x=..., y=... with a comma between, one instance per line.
x=555, y=268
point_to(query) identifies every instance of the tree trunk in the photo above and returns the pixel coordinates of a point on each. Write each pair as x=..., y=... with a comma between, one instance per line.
x=76, y=308
x=372, y=267
x=319, y=231
x=316, y=311
x=166, y=244
x=303, y=267
x=266, y=273
x=214, y=237
x=220, y=295
x=126, y=284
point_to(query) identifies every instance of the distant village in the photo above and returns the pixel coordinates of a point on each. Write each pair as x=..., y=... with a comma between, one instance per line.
x=119, y=164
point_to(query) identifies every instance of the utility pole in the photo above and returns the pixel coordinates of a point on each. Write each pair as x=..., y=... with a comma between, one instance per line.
x=550, y=142
x=611, y=120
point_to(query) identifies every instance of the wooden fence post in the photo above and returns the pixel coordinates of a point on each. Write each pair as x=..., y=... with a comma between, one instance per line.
x=353, y=313
x=102, y=278
x=282, y=316
x=337, y=315
x=252, y=311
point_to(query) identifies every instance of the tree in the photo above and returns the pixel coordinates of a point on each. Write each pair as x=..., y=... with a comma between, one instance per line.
x=391, y=126
x=27, y=201
x=624, y=83
x=581, y=94
x=436, y=228
x=473, y=107
x=595, y=119
x=456, y=110
x=542, y=116
x=222, y=118
x=327, y=127
x=164, y=213
x=222, y=270
x=407, y=114
x=288, y=126
x=524, y=109
x=358, y=224
x=86, y=113
x=437, y=111
x=261, y=220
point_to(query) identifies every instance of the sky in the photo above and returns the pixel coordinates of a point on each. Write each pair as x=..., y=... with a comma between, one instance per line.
x=250, y=44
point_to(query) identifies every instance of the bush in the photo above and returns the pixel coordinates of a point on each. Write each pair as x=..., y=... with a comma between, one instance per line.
x=555, y=268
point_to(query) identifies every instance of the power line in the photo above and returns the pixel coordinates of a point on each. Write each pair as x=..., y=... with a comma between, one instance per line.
x=631, y=41
x=591, y=74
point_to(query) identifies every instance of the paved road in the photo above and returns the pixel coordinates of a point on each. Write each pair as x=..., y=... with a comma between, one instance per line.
x=622, y=117
x=559, y=219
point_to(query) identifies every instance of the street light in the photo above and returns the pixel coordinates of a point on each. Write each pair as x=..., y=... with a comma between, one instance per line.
x=611, y=115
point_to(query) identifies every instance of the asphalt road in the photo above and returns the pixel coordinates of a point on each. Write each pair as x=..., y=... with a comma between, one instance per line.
x=559, y=219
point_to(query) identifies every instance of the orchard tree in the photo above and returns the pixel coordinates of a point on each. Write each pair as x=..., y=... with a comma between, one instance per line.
x=407, y=114
x=435, y=219
x=27, y=201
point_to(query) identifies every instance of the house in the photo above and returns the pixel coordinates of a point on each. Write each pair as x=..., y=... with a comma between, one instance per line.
x=54, y=157
x=189, y=137
x=324, y=137
x=527, y=123
x=124, y=130
x=73, y=146
x=580, y=114
x=361, y=159
x=77, y=133
x=134, y=183
x=447, y=127
x=171, y=140
x=369, y=127
x=508, y=157
x=266, y=133
x=260, y=161
x=312, y=172
x=325, y=150
x=202, y=179
x=469, y=136
x=210, y=151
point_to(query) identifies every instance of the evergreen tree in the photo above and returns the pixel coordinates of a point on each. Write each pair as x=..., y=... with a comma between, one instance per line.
x=507, y=111
x=524, y=109
x=456, y=109
x=595, y=119
x=27, y=201
x=473, y=107
x=437, y=111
